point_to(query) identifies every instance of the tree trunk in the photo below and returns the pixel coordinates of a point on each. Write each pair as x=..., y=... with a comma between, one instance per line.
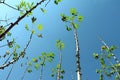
x=59, y=69
x=78, y=70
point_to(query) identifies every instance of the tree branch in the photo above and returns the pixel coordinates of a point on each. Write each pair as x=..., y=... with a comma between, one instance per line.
x=11, y=6
x=103, y=42
x=20, y=18
x=14, y=60
x=10, y=72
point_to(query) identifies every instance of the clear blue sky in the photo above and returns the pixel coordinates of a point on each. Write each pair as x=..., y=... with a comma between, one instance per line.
x=101, y=18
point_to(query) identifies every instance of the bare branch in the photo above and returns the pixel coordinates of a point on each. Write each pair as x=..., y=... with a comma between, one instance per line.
x=47, y=3
x=10, y=72
x=11, y=6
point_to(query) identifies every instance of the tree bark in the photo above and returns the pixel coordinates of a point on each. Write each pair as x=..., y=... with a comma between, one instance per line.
x=78, y=70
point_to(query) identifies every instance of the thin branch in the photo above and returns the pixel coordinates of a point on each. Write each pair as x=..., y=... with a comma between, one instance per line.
x=47, y=3
x=14, y=60
x=115, y=58
x=11, y=6
x=20, y=18
x=3, y=45
x=114, y=68
x=10, y=72
x=24, y=73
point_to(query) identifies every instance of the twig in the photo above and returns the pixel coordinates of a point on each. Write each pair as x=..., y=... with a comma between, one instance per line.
x=24, y=73
x=10, y=72
x=47, y=3
x=11, y=6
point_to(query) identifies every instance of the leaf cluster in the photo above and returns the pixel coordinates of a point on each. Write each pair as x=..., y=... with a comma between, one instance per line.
x=40, y=60
x=60, y=45
x=55, y=70
x=57, y=1
x=25, y=6
x=108, y=68
x=71, y=19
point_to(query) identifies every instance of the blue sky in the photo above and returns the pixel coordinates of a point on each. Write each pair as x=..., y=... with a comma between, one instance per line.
x=101, y=18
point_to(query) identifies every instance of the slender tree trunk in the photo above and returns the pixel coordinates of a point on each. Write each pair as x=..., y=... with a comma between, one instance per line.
x=41, y=72
x=59, y=69
x=78, y=70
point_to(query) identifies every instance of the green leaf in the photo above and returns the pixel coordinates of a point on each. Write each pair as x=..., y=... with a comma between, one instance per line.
x=42, y=63
x=17, y=46
x=109, y=55
x=37, y=66
x=58, y=66
x=61, y=77
x=10, y=43
x=52, y=75
x=57, y=1
x=62, y=71
x=102, y=62
x=96, y=56
x=73, y=11
x=29, y=63
x=33, y=19
x=60, y=44
x=68, y=28
x=101, y=76
x=43, y=10
x=29, y=70
x=72, y=18
x=8, y=34
x=80, y=18
x=33, y=31
x=64, y=18
x=75, y=25
x=103, y=47
x=40, y=27
x=51, y=55
x=40, y=35
x=112, y=48
x=26, y=27
x=34, y=60
x=7, y=52
x=97, y=71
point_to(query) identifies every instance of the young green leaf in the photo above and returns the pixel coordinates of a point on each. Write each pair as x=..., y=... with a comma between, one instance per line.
x=80, y=18
x=34, y=60
x=29, y=70
x=68, y=28
x=96, y=56
x=37, y=66
x=7, y=52
x=40, y=35
x=40, y=27
x=75, y=26
x=33, y=31
x=8, y=34
x=73, y=11
x=26, y=27
x=33, y=19
x=57, y=1
x=43, y=10
x=64, y=17
x=59, y=44
x=58, y=66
